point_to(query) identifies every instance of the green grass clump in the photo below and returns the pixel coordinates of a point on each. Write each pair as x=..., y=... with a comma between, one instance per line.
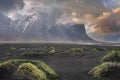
x=51, y=73
x=12, y=48
x=113, y=56
x=51, y=51
x=101, y=49
x=76, y=50
x=110, y=68
x=106, y=69
x=42, y=52
x=7, y=68
x=30, y=70
x=94, y=50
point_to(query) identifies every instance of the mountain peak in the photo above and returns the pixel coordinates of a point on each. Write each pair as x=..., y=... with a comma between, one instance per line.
x=33, y=28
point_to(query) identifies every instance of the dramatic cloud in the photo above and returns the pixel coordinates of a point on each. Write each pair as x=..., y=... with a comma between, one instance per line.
x=106, y=27
x=55, y=12
x=37, y=6
x=7, y=5
x=107, y=23
x=80, y=7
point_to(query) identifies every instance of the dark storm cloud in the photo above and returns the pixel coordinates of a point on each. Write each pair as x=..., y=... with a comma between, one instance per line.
x=7, y=5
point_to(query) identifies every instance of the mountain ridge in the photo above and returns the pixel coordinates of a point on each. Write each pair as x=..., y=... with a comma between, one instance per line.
x=33, y=28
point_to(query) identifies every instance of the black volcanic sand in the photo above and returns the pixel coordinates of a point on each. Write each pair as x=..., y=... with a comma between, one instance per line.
x=71, y=67
x=68, y=66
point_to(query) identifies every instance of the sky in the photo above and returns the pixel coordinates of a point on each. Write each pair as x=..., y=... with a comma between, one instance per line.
x=100, y=17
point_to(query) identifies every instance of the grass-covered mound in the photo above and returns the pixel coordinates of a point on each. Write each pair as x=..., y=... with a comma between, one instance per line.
x=73, y=50
x=31, y=69
x=106, y=70
x=110, y=68
x=113, y=56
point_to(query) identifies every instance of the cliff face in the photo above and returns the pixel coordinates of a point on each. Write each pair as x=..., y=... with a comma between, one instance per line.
x=34, y=29
x=75, y=32
x=80, y=33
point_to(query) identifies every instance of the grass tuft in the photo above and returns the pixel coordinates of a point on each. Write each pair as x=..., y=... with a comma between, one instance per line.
x=74, y=50
x=30, y=70
x=106, y=69
x=113, y=56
